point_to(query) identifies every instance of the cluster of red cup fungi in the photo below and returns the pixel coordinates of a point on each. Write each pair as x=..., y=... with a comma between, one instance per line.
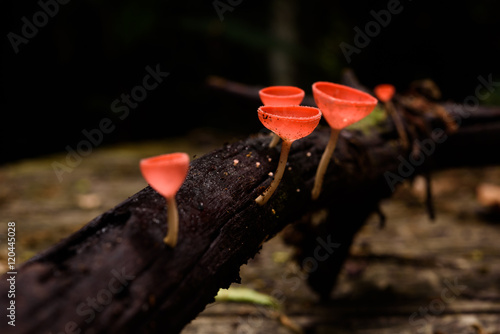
x=340, y=105
x=281, y=113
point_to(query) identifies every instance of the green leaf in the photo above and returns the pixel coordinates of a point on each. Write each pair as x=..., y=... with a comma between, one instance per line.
x=368, y=123
x=246, y=295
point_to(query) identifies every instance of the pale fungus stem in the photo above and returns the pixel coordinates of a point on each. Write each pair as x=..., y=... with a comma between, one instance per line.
x=323, y=164
x=172, y=222
x=274, y=141
x=285, y=149
x=398, y=122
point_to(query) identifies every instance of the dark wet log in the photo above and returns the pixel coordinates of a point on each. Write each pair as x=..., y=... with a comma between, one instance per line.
x=435, y=149
x=115, y=275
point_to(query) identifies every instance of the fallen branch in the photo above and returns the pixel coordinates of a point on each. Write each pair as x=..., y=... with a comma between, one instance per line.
x=117, y=275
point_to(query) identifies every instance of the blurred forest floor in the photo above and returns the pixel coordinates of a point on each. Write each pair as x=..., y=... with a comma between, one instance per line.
x=412, y=276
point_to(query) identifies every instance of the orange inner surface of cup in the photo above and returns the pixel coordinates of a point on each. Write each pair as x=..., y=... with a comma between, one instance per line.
x=290, y=122
x=281, y=95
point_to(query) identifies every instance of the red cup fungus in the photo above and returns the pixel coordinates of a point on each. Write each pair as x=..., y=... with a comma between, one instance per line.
x=166, y=174
x=384, y=93
x=290, y=123
x=280, y=96
x=341, y=106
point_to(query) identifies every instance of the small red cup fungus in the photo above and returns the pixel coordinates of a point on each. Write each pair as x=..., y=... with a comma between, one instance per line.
x=166, y=174
x=280, y=96
x=341, y=106
x=290, y=123
x=384, y=93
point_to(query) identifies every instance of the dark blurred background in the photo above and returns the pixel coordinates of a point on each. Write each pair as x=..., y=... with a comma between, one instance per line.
x=65, y=78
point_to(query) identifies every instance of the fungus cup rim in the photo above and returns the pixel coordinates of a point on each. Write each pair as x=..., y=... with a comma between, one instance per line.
x=262, y=110
x=366, y=99
x=166, y=159
x=282, y=92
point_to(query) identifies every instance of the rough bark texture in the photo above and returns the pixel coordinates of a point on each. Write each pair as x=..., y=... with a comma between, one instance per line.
x=115, y=275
